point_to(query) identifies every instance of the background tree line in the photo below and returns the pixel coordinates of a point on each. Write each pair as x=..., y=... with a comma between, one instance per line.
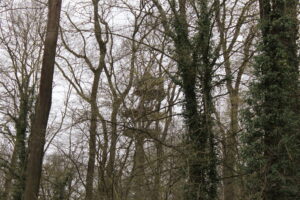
x=149, y=100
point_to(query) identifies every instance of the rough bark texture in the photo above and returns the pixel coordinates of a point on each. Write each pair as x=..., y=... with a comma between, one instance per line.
x=37, y=137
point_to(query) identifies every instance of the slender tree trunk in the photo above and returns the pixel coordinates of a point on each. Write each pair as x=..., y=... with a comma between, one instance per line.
x=159, y=156
x=158, y=172
x=37, y=137
x=92, y=139
x=112, y=155
x=140, y=189
x=206, y=73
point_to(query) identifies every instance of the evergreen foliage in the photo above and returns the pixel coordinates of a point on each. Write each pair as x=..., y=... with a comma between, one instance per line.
x=203, y=161
x=272, y=134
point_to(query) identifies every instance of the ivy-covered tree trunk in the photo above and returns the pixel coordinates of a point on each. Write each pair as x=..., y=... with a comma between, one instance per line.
x=197, y=141
x=206, y=74
x=193, y=60
x=15, y=185
x=192, y=55
x=203, y=165
x=272, y=139
x=20, y=147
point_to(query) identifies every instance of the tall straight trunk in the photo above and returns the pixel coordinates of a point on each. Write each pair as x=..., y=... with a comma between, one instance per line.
x=92, y=139
x=112, y=154
x=207, y=128
x=158, y=171
x=140, y=183
x=37, y=137
x=159, y=157
x=206, y=73
x=230, y=151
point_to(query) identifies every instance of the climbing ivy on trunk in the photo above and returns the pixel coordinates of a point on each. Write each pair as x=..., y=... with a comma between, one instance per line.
x=272, y=119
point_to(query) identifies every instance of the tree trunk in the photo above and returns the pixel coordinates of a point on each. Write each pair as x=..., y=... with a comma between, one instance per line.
x=21, y=127
x=37, y=137
x=92, y=139
x=112, y=155
x=197, y=141
x=139, y=175
x=230, y=151
x=273, y=120
x=158, y=171
x=185, y=53
x=19, y=155
x=280, y=29
x=206, y=74
x=9, y=177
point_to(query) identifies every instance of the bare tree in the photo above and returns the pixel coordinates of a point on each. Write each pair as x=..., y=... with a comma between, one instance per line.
x=22, y=42
x=236, y=55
